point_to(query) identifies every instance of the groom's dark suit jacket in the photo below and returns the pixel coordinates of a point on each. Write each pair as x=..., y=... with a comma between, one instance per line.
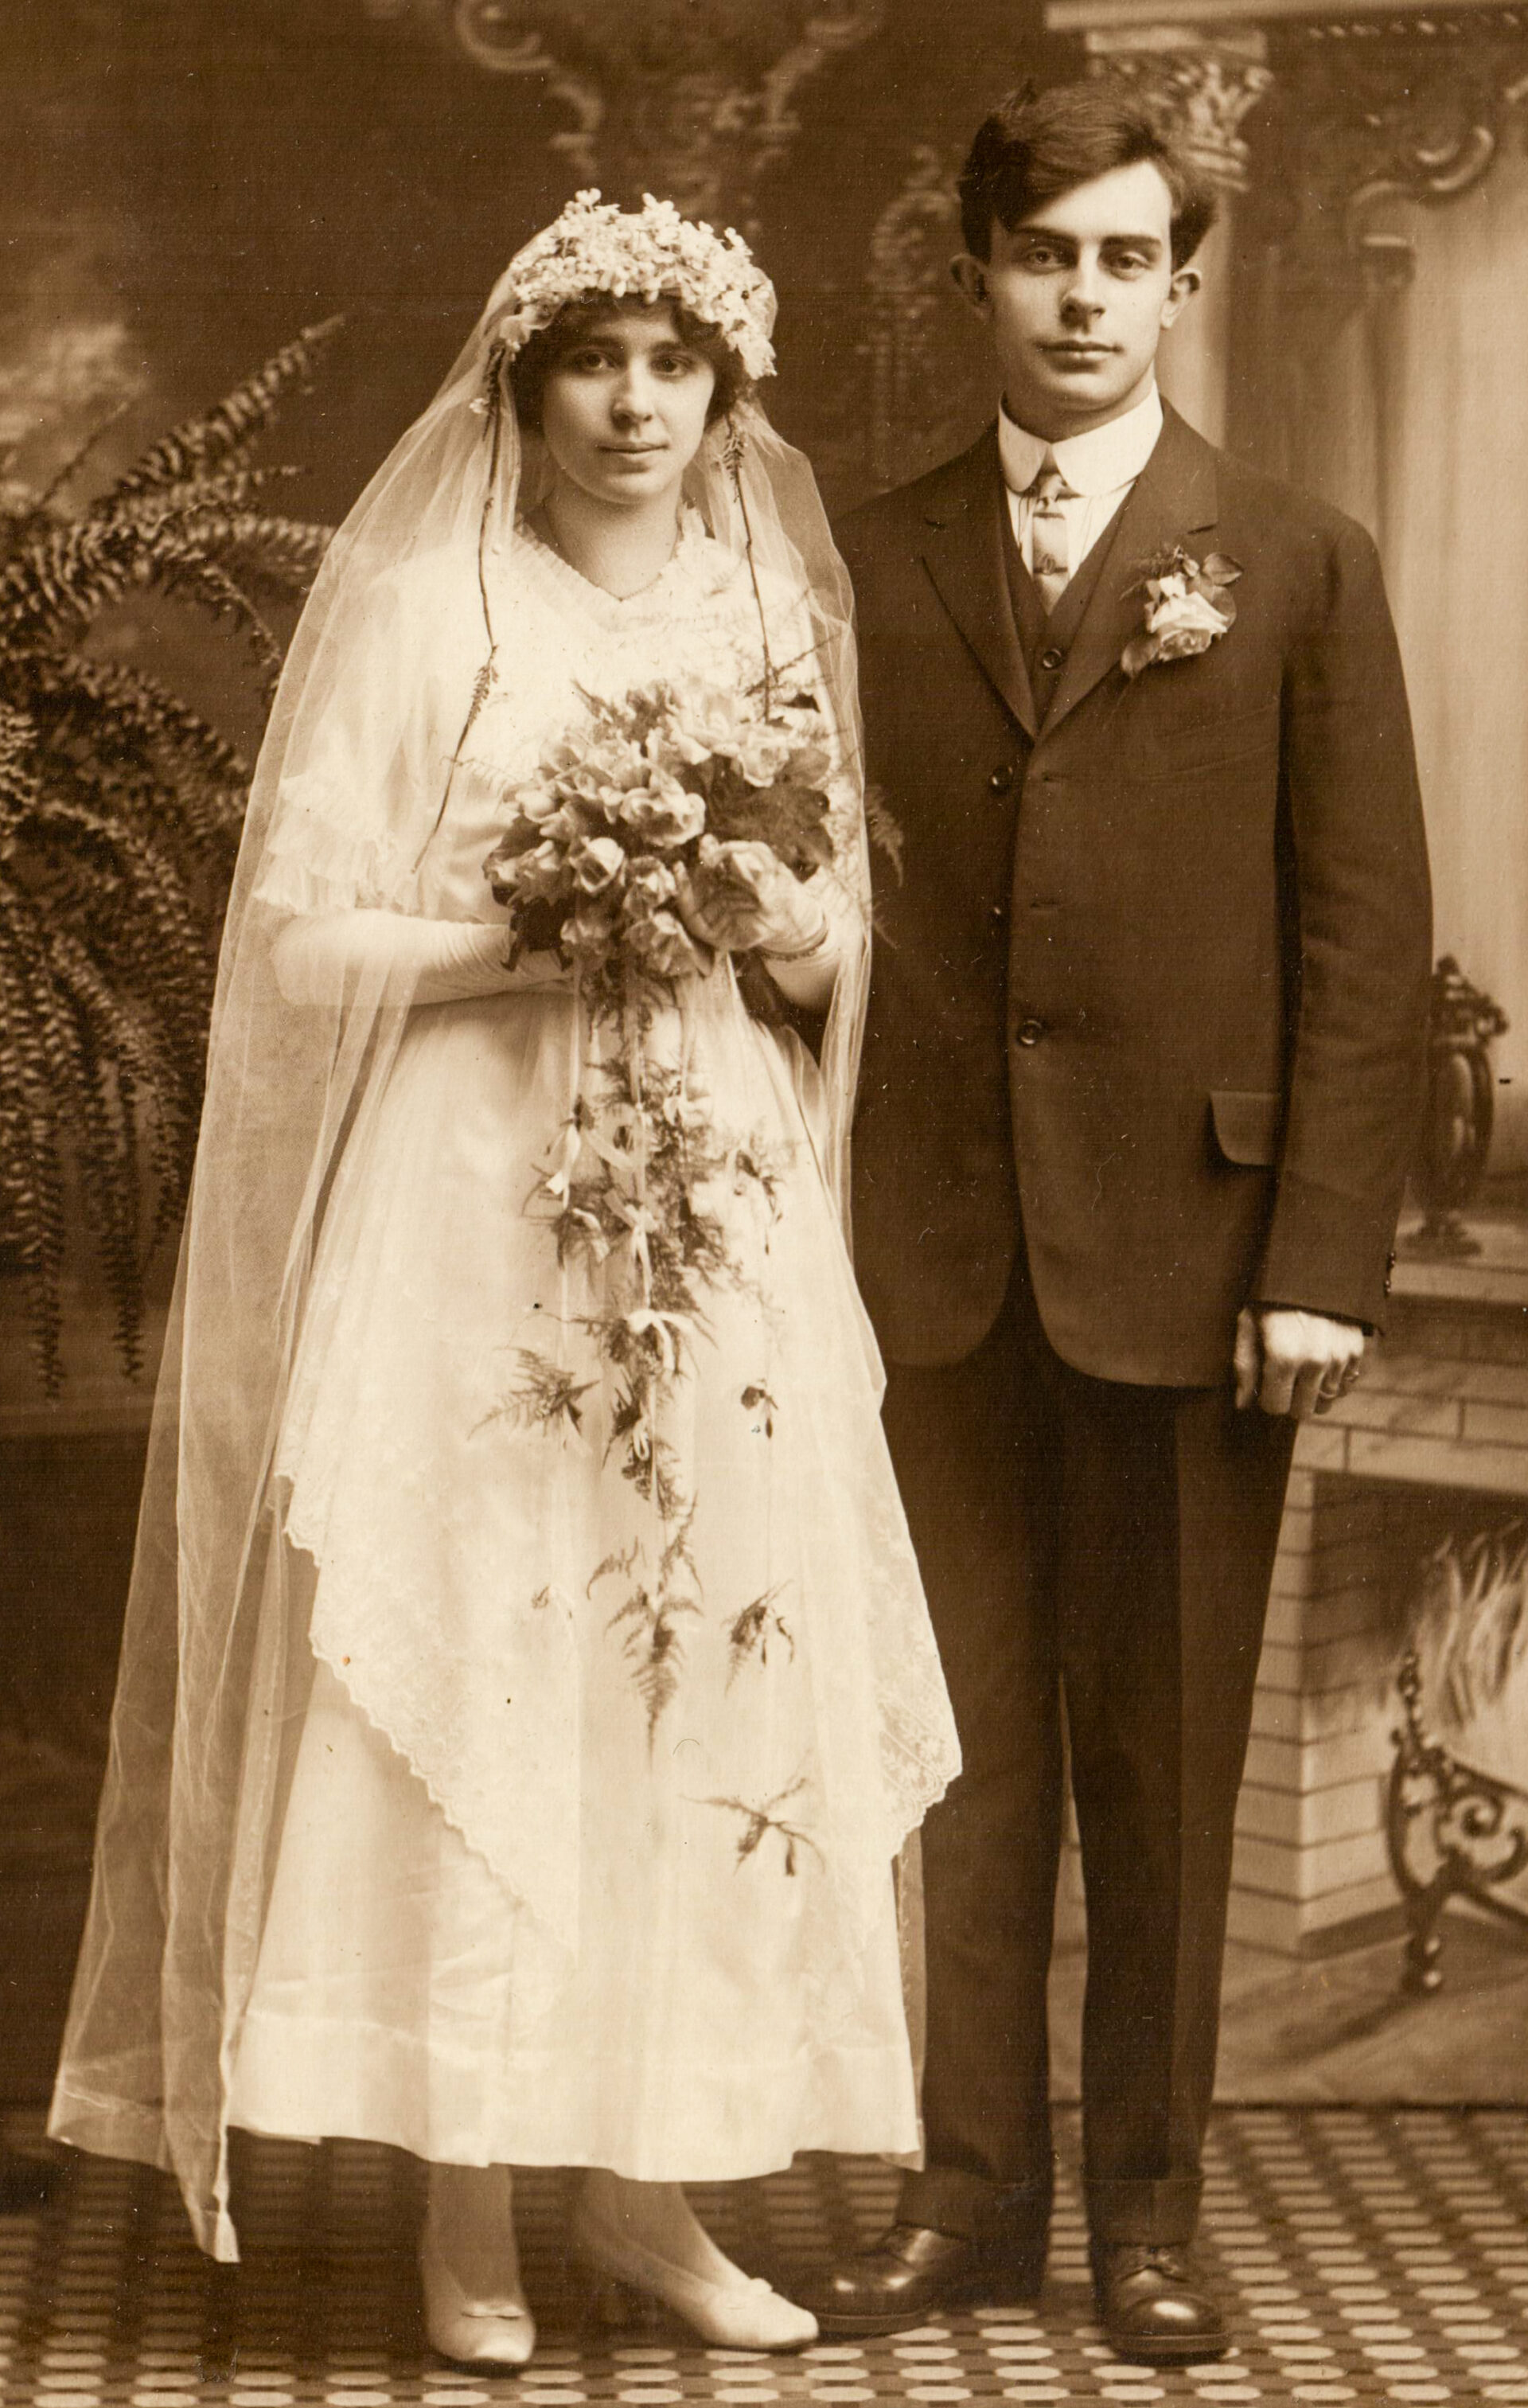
x=1152, y=989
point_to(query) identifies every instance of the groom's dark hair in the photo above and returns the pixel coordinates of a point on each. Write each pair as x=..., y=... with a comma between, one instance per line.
x=1035, y=145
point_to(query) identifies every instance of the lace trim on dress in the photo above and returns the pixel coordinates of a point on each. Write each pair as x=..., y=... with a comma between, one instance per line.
x=696, y=561
x=316, y=863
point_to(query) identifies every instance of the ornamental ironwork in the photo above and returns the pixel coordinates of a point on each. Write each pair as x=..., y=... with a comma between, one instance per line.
x=1452, y=1830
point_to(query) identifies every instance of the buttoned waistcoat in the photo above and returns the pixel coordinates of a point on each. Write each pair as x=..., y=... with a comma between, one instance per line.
x=1149, y=991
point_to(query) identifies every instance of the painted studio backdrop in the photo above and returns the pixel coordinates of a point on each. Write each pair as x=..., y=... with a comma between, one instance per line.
x=203, y=179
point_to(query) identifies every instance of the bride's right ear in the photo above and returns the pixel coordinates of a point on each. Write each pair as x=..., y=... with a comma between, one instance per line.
x=970, y=277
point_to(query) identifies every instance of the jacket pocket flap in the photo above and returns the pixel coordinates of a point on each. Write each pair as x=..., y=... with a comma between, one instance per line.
x=1248, y=1123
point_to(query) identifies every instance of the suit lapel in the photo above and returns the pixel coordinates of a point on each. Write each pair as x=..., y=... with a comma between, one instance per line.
x=1173, y=497
x=962, y=551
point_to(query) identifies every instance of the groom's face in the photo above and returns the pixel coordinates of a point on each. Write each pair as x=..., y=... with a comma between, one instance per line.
x=1077, y=295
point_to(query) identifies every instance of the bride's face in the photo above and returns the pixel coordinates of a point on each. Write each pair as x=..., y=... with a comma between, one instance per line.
x=623, y=412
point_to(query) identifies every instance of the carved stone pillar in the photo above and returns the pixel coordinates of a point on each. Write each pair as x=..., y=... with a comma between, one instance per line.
x=691, y=99
x=1200, y=87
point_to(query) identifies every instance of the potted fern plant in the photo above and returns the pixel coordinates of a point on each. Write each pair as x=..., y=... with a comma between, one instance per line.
x=120, y=814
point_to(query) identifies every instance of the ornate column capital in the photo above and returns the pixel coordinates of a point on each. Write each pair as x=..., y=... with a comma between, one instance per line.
x=692, y=99
x=1200, y=84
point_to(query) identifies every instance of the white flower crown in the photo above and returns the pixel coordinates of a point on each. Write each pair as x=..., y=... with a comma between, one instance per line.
x=595, y=247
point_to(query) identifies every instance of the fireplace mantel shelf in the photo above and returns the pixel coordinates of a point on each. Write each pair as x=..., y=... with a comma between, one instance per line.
x=1444, y=1397
x=1498, y=1274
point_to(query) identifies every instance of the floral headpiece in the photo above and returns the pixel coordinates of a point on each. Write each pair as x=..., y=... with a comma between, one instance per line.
x=595, y=247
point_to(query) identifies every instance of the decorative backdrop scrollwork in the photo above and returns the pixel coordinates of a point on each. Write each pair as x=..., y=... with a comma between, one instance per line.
x=694, y=99
x=907, y=277
x=1363, y=113
x=1412, y=110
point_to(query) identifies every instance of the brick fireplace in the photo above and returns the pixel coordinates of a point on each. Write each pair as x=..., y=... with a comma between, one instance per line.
x=1434, y=1441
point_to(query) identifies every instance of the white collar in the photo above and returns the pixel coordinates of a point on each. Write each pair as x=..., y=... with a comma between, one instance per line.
x=1097, y=461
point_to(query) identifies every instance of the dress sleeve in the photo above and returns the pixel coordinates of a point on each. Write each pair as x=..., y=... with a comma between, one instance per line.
x=368, y=760
x=334, y=957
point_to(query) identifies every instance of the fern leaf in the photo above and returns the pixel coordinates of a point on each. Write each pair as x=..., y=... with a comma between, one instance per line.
x=207, y=583
x=104, y=1149
x=193, y=823
x=125, y=716
x=67, y=578
x=18, y=771
x=31, y=1178
x=143, y=1067
x=883, y=830
x=76, y=459
x=230, y=488
x=120, y=809
x=143, y=922
x=284, y=552
x=284, y=559
x=198, y=444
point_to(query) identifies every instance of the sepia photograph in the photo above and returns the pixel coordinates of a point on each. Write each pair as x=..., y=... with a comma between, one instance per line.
x=763, y=1202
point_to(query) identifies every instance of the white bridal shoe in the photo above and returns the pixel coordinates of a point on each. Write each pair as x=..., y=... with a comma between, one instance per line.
x=468, y=2331
x=742, y=2314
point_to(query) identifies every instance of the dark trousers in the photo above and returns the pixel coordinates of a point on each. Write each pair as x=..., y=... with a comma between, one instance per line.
x=1100, y=1551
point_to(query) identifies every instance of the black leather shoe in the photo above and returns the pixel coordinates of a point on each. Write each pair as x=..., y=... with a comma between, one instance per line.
x=1151, y=2307
x=912, y=2273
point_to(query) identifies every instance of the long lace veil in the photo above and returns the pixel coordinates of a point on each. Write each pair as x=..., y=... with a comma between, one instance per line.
x=347, y=794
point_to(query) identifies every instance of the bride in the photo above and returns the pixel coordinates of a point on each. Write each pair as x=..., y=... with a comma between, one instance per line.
x=526, y=1685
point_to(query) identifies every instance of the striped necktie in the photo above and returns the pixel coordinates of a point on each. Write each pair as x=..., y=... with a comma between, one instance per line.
x=1049, y=536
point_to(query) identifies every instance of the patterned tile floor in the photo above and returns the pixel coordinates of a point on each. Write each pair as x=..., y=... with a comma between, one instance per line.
x=1366, y=2255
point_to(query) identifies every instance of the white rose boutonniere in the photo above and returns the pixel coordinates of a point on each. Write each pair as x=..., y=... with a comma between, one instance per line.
x=1188, y=606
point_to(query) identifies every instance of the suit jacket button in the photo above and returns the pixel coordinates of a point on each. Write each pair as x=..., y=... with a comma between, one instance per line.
x=1051, y=659
x=1002, y=778
x=1029, y=1032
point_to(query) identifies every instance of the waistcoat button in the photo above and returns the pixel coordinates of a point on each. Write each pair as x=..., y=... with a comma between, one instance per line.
x=1002, y=778
x=1029, y=1032
x=1051, y=659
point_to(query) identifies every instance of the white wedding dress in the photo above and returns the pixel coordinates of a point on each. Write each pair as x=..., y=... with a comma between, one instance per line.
x=542, y=1894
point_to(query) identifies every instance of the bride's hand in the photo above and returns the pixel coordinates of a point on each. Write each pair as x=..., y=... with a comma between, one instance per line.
x=751, y=903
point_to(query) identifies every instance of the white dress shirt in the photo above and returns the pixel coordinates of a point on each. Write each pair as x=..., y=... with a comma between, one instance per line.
x=1100, y=465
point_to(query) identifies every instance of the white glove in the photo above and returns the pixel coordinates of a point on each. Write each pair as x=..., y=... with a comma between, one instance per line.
x=390, y=957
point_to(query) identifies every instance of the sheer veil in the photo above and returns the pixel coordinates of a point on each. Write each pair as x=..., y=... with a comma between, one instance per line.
x=348, y=790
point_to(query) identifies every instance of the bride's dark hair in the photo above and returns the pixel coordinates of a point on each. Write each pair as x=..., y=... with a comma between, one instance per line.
x=537, y=359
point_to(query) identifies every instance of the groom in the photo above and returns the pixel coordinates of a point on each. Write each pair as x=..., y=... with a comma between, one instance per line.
x=1143, y=1043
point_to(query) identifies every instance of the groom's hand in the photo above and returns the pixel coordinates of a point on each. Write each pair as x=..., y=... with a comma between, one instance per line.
x=1294, y=1361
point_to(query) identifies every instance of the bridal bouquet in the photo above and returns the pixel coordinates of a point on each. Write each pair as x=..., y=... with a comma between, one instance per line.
x=650, y=797
x=646, y=801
